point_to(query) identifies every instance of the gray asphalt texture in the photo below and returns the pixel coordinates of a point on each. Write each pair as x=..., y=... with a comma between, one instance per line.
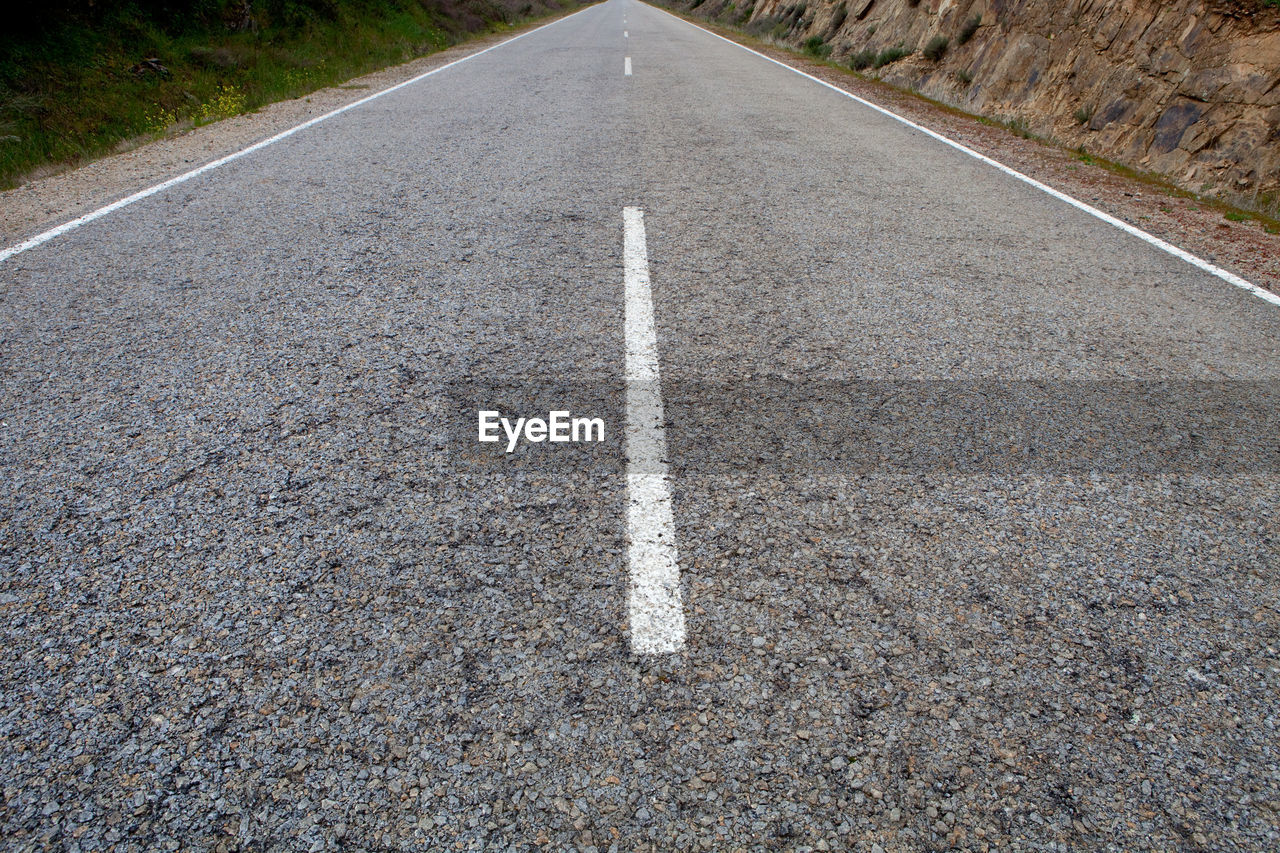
x=261, y=590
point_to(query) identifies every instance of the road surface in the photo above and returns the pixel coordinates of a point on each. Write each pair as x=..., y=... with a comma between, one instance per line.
x=931, y=511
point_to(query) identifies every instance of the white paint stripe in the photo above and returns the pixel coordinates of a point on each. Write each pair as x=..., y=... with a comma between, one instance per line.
x=1212, y=269
x=626, y=67
x=626, y=35
x=222, y=161
x=655, y=610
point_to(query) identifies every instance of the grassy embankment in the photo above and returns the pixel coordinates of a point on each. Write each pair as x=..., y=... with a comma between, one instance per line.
x=80, y=78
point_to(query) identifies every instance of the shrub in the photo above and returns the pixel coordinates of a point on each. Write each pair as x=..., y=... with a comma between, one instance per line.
x=160, y=120
x=760, y=26
x=964, y=77
x=227, y=102
x=937, y=46
x=837, y=20
x=970, y=27
x=1084, y=115
x=862, y=59
x=889, y=55
x=815, y=46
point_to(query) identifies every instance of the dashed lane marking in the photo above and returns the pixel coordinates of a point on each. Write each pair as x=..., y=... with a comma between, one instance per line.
x=655, y=611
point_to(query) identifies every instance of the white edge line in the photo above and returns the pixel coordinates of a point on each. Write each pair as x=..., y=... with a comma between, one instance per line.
x=45, y=237
x=626, y=67
x=1212, y=269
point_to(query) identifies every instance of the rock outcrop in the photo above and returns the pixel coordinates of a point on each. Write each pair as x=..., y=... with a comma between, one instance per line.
x=1186, y=88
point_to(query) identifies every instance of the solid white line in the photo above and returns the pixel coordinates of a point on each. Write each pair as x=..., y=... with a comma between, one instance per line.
x=45, y=237
x=1212, y=269
x=626, y=35
x=626, y=67
x=654, y=608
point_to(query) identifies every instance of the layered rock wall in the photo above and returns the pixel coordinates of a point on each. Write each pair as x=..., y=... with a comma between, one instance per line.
x=1186, y=88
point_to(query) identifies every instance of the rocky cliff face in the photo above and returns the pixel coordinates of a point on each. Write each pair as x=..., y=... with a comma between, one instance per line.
x=1186, y=88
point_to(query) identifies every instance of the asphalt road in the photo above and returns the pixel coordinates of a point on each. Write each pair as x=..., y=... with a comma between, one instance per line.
x=974, y=495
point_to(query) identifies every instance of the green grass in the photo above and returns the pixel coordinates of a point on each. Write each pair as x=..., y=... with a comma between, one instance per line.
x=73, y=87
x=1236, y=216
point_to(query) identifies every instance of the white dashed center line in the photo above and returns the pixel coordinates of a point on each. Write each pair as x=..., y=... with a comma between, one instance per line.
x=655, y=610
x=626, y=67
